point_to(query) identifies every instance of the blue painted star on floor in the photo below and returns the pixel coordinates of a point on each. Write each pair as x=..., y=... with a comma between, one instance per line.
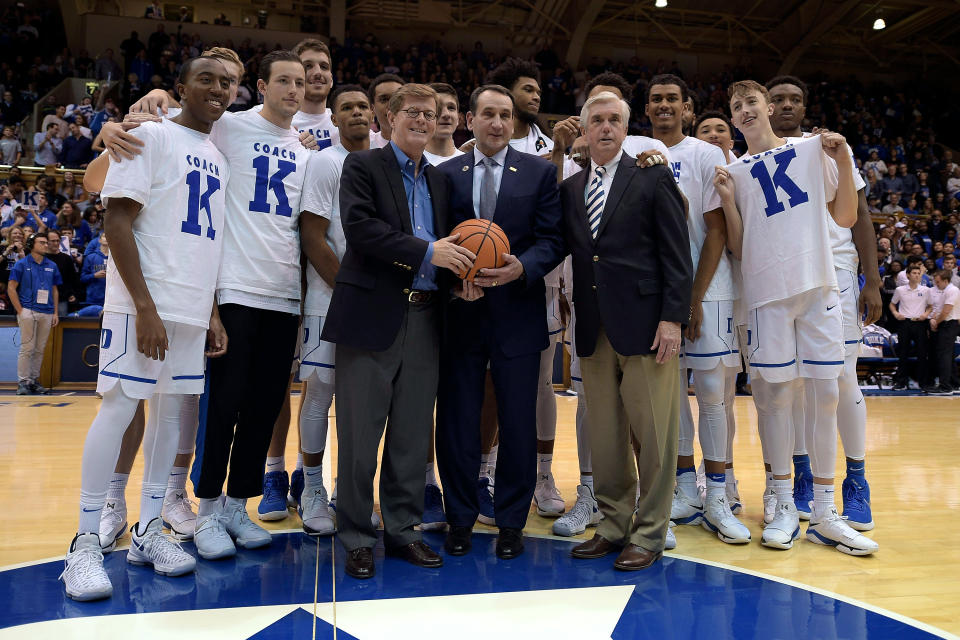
x=269, y=593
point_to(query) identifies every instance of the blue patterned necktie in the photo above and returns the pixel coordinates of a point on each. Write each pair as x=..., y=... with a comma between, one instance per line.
x=595, y=201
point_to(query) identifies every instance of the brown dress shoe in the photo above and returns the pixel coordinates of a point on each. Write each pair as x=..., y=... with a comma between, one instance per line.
x=417, y=553
x=634, y=558
x=360, y=563
x=596, y=547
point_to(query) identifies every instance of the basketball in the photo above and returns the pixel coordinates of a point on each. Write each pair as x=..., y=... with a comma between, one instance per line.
x=486, y=240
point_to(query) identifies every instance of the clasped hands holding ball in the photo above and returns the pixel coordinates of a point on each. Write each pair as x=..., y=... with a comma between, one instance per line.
x=479, y=253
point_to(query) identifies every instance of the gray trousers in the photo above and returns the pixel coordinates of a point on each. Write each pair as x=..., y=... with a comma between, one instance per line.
x=396, y=389
x=34, y=331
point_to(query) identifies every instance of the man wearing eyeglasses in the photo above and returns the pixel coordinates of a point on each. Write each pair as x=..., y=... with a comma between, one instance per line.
x=384, y=317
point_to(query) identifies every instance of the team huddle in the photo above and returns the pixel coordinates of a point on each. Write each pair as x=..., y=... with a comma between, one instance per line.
x=651, y=255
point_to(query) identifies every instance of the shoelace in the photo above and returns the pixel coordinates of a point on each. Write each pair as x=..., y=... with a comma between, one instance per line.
x=214, y=521
x=162, y=547
x=272, y=484
x=581, y=509
x=81, y=563
x=853, y=495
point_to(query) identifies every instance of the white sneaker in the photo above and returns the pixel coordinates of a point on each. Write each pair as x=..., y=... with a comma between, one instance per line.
x=178, y=515
x=685, y=510
x=163, y=553
x=211, y=537
x=315, y=512
x=833, y=531
x=733, y=497
x=374, y=516
x=671, y=541
x=784, y=529
x=718, y=517
x=244, y=531
x=585, y=513
x=113, y=523
x=547, y=497
x=769, y=505
x=83, y=574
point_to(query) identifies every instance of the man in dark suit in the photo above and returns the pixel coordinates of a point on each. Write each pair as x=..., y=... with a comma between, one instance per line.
x=632, y=281
x=384, y=317
x=500, y=320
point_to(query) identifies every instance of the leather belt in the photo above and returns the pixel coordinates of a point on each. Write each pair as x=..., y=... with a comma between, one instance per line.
x=420, y=297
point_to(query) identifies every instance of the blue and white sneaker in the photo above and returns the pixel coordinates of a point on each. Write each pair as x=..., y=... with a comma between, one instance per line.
x=374, y=517
x=733, y=497
x=161, y=552
x=784, y=529
x=433, y=516
x=113, y=523
x=803, y=492
x=315, y=513
x=485, y=498
x=296, y=488
x=585, y=513
x=273, y=504
x=856, y=503
x=718, y=518
x=83, y=574
x=832, y=530
x=685, y=510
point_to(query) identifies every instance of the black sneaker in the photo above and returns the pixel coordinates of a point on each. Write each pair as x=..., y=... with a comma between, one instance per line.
x=941, y=391
x=39, y=390
x=23, y=389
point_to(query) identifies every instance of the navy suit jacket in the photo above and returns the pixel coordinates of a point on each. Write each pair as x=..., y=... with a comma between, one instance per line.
x=370, y=297
x=528, y=210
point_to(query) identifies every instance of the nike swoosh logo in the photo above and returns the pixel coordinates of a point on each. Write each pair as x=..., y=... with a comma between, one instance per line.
x=860, y=400
x=90, y=510
x=156, y=497
x=313, y=473
x=829, y=308
x=845, y=290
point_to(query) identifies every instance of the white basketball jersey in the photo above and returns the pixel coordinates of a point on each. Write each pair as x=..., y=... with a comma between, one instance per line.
x=692, y=163
x=436, y=160
x=321, y=196
x=377, y=141
x=841, y=240
x=635, y=145
x=318, y=125
x=536, y=142
x=261, y=250
x=782, y=195
x=180, y=178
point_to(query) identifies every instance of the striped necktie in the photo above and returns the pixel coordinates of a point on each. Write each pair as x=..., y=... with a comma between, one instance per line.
x=595, y=200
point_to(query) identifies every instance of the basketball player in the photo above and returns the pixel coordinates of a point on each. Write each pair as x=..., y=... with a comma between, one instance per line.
x=165, y=206
x=795, y=324
x=710, y=348
x=520, y=77
x=714, y=127
x=859, y=244
x=324, y=246
x=441, y=146
x=380, y=91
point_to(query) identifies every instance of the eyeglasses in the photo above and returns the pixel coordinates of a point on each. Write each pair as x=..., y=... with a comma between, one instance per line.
x=414, y=113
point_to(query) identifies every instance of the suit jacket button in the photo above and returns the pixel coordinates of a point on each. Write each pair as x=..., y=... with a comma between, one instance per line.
x=596, y=258
x=406, y=292
x=594, y=287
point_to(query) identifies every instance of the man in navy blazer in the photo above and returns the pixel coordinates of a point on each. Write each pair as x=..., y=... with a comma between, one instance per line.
x=499, y=320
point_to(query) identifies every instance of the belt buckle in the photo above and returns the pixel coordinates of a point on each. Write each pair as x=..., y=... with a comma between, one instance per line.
x=413, y=296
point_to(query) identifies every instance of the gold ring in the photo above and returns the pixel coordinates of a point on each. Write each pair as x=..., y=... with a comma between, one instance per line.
x=495, y=283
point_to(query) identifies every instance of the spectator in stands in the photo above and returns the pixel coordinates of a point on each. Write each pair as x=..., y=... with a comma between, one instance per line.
x=873, y=204
x=94, y=219
x=141, y=67
x=58, y=117
x=154, y=11
x=945, y=303
x=45, y=214
x=937, y=225
x=911, y=208
x=129, y=48
x=69, y=218
x=23, y=219
x=107, y=68
x=77, y=150
x=47, y=145
x=875, y=164
x=911, y=306
x=71, y=286
x=10, y=110
x=953, y=182
x=10, y=148
x=33, y=290
x=110, y=110
x=13, y=248
x=891, y=183
x=926, y=189
x=71, y=189
x=950, y=264
x=911, y=186
x=893, y=208
x=95, y=272
x=81, y=121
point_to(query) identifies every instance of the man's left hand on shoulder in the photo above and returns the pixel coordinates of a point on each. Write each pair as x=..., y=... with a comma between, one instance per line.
x=512, y=270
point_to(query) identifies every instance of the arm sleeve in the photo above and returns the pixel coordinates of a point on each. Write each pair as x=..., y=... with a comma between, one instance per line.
x=320, y=186
x=132, y=178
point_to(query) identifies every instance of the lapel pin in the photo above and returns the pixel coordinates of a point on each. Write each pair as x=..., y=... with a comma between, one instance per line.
x=514, y=169
x=466, y=168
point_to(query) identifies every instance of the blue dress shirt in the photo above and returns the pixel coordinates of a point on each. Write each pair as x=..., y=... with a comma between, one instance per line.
x=421, y=215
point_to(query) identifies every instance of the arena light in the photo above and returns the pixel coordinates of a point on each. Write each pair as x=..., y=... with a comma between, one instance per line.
x=660, y=4
x=879, y=24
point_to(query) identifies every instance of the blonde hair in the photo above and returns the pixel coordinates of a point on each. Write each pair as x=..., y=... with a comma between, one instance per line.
x=742, y=88
x=225, y=54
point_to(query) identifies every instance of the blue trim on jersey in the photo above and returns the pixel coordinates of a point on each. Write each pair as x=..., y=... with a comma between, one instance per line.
x=774, y=365
x=317, y=364
x=853, y=341
x=196, y=377
x=709, y=355
x=123, y=376
x=553, y=333
x=823, y=362
x=576, y=379
x=126, y=328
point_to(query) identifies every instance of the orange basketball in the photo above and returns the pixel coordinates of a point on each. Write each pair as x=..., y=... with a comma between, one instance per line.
x=486, y=240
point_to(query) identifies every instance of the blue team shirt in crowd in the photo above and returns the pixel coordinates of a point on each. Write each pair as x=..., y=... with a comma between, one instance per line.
x=96, y=287
x=421, y=215
x=32, y=277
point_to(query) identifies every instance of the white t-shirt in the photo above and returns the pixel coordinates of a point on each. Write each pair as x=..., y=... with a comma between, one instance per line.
x=318, y=125
x=436, y=160
x=913, y=302
x=786, y=241
x=692, y=163
x=377, y=141
x=180, y=178
x=948, y=295
x=536, y=142
x=321, y=196
x=841, y=240
x=261, y=251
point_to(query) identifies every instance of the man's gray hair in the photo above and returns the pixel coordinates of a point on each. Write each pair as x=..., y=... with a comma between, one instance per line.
x=604, y=96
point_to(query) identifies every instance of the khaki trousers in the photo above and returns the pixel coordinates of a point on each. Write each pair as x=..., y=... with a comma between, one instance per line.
x=34, y=331
x=632, y=395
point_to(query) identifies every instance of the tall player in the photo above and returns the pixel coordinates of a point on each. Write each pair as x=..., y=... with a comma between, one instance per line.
x=258, y=301
x=324, y=246
x=779, y=196
x=859, y=244
x=380, y=91
x=710, y=348
x=165, y=221
x=520, y=77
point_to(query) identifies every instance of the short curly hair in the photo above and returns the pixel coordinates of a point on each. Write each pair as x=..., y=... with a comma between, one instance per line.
x=511, y=70
x=610, y=79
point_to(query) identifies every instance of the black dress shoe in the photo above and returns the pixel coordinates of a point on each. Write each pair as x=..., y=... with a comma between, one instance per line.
x=458, y=542
x=509, y=543
x=417, y=553
x=360, y=563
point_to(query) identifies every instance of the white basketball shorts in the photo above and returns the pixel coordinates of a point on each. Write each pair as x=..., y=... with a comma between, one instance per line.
x=316, y=355
x=717, y=343
x=849, y=304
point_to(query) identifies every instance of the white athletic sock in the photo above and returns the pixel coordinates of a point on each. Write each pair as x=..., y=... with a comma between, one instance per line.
x=431, y=475
x=151, y=503
x=769, y=479
x=275, y=464
x=299, y=462
x=687, y=481
x=118, y=485
x=784, y=491
x=89, y=521
x=587, y=481
x=822, y=501
x=715, y=488
x=208, y=506
x=730, y=479
x=544, y=463
x=313, y=476
x=177, y=480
